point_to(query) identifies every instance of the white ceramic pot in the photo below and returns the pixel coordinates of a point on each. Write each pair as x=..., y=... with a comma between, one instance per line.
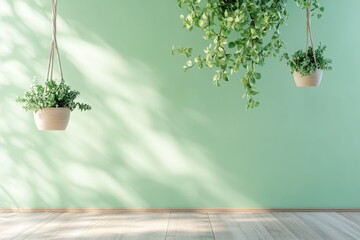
x=309, y=80
x=49, y=119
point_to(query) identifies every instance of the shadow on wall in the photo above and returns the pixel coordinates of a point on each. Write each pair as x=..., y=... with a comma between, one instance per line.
x=126, y=152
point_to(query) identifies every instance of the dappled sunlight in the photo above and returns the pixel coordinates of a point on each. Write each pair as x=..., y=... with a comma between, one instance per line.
x=5, y=9
x=126, y=152
x=34, y=19
x=18, y=73
x=135, y=225
x=136, y=104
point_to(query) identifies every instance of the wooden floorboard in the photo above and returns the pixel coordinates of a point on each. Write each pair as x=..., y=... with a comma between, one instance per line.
x=41, y=225
x=189, y=226
x=352, y=216
x=324, y=225
x=161, y=225
x=296, y=227
x=276, y=229
x=6, y=217
x=50, y=228
x=81, y=226
x=22, y=223
x=232, y=226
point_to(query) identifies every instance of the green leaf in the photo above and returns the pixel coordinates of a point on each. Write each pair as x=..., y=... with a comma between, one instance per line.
x=230, y=19
x=232, y=44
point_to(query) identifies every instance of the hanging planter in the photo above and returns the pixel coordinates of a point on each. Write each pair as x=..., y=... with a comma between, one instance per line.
x=241, y=35
x=52, y=118
x=312, y=80
x=307, y=67
x=52, y=101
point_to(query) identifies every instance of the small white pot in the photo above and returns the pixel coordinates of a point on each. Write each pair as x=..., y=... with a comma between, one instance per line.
x=49, y=119
x=309, y=80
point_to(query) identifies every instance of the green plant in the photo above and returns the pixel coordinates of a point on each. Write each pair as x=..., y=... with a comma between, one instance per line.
x=312, y=4
x=242, y=34
x=51, y=94
x=304, y=63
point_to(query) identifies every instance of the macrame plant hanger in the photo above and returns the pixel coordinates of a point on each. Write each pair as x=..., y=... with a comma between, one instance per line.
x=52, y=118
x=54, y=46
x=309, y=34
x=311, y=79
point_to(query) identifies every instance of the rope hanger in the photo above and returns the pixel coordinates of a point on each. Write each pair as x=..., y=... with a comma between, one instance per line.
x=54, y=46
x=308, y=32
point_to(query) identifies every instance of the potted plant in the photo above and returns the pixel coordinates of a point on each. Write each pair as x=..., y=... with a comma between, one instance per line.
x=51, y=103
x=241, y=35
x=307, y=67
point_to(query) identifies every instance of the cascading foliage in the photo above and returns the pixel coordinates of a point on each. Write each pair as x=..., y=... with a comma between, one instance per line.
x=241, y=34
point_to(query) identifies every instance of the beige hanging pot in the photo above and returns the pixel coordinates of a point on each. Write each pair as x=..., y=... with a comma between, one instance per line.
x=312, y=80
x=50, y=119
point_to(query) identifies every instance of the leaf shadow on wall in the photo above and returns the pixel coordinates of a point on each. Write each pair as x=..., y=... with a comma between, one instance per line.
x=127, y=152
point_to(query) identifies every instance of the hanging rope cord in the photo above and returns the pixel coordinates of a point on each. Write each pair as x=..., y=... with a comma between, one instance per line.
x=54, y=47
x=308, y=32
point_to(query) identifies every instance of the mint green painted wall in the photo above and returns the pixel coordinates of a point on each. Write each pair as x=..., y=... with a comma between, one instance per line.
x=158, y=137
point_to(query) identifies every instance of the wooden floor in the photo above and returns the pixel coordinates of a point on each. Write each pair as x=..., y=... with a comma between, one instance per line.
x=181, y=225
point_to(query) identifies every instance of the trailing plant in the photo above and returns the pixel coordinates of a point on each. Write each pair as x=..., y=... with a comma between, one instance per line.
x=304, y=63
x=241, y=35
x=51, y=94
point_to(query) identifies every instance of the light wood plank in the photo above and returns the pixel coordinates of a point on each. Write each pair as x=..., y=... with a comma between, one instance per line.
x=90, y=227
x=79, y=227
x=152, y=226
x=352, y=216
x=6, y=217
x=325, y=225
x=132, y=226
x=340, y=223
x=189, y=226
x=296, y=227
x=25, y=234
x=49, y=227
x=22, y=223
x=232, y=226
x=276, y=229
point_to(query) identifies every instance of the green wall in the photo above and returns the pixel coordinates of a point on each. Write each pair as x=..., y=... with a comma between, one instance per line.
x=159, y=137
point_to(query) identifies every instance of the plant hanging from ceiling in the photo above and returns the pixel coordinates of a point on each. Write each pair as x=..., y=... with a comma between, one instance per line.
x=52, y=101
x=307, y=66
x=242, y=34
